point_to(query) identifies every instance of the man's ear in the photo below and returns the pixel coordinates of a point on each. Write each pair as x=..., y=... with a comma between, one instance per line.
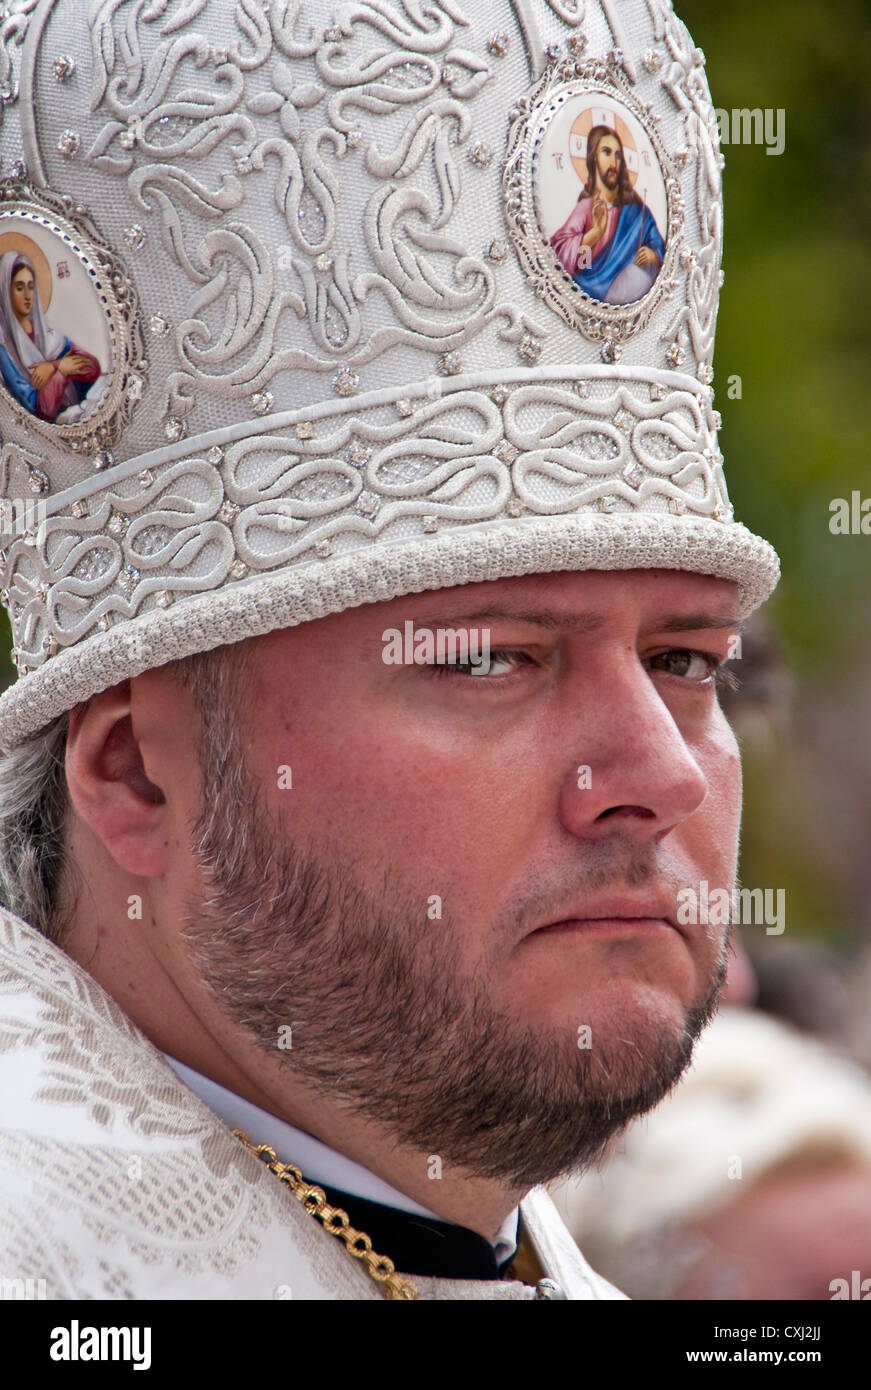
x=108, y=785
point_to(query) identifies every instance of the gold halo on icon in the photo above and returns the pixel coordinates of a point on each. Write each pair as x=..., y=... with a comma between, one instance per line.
x=581, y=128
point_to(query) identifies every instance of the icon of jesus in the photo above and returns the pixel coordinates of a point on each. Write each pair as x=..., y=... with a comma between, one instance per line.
x=610, y=243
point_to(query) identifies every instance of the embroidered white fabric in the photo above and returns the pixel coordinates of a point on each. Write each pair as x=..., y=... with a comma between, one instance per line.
x=117, y=1182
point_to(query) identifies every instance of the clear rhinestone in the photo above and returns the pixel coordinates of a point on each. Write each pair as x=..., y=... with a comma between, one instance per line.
x=305, y=430
x=127, y=139
x=146, y=477
x=135, y=386
x=215, y=455
x=610, y=352
x=104, y=622
x=430, y=523
x=405, y=407
x=228, y=511
x=346, y=382
x=506, y=452
x=623, y=420
x=262, y=402
x=63, y=67
x=79, y=509
x=333, y=34
x=42, y=591
x=129, y=578
x=616, y=57
x=722, y=512
x=18, y=169
x=368, y=503
x=716, y=419
x=499, y=395
x=481, y=154
x=607, y=504
x=498, y=43
x=530, y=348
x=29, y=538
x=134, y=236
x=175, y=429
x=553, y=52
x=220, y=56
x=159, y=325
x=69, y=143
x=449, y=364
x=577, y=43
x=652, y=60
x=103, y=459
x=323, y=549
x=497, y=251
x=682, y=157
x=38, y=481
x=49, y=644
x=354, y=139
x=634, y=474
x=324, y=263
x=705, y=373
x=118, y=523
x=238, y=569
x=358, y=453
x=688, y=258
x=676, y=355
x=163, y=598
x=677, y=506
x=657, y=391
x=514, y=506
x=582, y=389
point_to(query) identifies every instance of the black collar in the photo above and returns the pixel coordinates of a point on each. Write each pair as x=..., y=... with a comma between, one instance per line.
x=420, y=1244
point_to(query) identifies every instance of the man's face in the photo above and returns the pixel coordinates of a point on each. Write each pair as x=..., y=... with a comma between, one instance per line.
x=609, y=158
x=22, y=293
x=463, y=895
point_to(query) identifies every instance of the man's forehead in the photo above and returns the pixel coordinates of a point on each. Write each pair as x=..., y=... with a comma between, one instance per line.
x=595, y=594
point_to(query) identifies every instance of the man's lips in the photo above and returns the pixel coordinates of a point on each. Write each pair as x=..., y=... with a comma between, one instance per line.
x=613, y=917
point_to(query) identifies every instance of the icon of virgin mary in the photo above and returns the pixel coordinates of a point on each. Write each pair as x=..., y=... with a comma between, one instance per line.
x=48, y=373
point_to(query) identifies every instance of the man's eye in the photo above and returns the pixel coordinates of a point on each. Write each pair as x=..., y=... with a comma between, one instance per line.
x=499, y=662
x=693, y=666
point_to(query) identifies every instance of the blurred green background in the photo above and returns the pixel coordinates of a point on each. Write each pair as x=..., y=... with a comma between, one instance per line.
x=794, y=325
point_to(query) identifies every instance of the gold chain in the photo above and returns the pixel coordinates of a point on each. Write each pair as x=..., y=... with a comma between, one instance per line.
x=336, y=1221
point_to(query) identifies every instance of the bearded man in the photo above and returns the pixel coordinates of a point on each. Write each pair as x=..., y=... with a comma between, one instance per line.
x=315, y=964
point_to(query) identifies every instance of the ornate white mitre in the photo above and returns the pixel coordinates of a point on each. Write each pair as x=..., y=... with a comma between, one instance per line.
x=333, y=330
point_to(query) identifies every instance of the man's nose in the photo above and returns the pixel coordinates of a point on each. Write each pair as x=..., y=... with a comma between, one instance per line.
x=642, y=772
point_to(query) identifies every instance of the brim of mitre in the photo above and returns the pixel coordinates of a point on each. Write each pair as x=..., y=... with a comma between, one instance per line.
x=302, y=593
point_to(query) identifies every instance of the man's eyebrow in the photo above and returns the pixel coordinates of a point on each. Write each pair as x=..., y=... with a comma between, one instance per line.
x=585, y=622
x=695, y=621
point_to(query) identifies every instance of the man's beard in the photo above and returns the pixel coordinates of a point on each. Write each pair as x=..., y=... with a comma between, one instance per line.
x=384, y=1018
